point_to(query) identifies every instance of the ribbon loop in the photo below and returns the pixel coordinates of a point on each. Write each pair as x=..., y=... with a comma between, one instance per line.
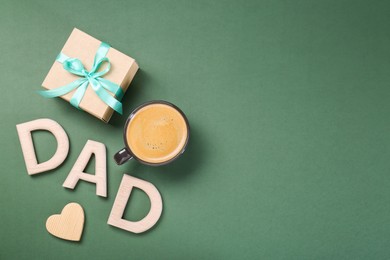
x=96, y=66
x=74, y=66
x=92, y=77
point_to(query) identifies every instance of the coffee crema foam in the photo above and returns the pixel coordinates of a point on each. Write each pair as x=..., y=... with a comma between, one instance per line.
x=156, y=133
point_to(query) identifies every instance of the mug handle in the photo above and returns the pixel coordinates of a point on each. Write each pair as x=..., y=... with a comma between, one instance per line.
x=122, y=156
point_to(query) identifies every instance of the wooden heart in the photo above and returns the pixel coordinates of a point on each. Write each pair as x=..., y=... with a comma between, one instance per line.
x=69, y=224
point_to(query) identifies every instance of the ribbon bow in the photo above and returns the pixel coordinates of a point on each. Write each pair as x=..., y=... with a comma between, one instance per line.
x=93, y=77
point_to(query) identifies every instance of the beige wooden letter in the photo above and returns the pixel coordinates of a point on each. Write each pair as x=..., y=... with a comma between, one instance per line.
x=124, y=191
x=26, y=142
x=91, y=147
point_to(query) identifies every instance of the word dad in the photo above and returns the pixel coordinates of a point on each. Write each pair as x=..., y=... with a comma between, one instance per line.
x=99, y=178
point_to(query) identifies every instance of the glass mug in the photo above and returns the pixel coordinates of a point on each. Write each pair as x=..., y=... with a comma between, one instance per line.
x=155, y=133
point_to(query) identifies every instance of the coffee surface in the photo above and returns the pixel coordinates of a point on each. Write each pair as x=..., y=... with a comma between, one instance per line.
x=156, y=133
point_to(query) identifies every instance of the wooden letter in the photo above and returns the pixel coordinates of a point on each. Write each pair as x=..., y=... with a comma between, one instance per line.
x=69, y=224
x=26, y=142
x=124, y=191
x=91, y=147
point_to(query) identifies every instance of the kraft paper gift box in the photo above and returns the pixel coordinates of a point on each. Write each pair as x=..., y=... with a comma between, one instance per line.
x=84, y=47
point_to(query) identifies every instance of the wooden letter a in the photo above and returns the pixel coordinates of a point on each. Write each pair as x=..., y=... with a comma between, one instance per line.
x=91, y=147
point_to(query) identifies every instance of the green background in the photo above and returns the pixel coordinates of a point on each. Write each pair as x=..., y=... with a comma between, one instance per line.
x=288, y=103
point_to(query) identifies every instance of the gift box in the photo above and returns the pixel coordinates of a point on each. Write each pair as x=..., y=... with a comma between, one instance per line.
x=91, y=75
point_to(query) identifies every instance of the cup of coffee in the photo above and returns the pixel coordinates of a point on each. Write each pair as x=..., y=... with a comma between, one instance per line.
x=155, y=133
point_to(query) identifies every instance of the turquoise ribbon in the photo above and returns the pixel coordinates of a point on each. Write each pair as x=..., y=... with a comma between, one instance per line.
x=92, y=77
